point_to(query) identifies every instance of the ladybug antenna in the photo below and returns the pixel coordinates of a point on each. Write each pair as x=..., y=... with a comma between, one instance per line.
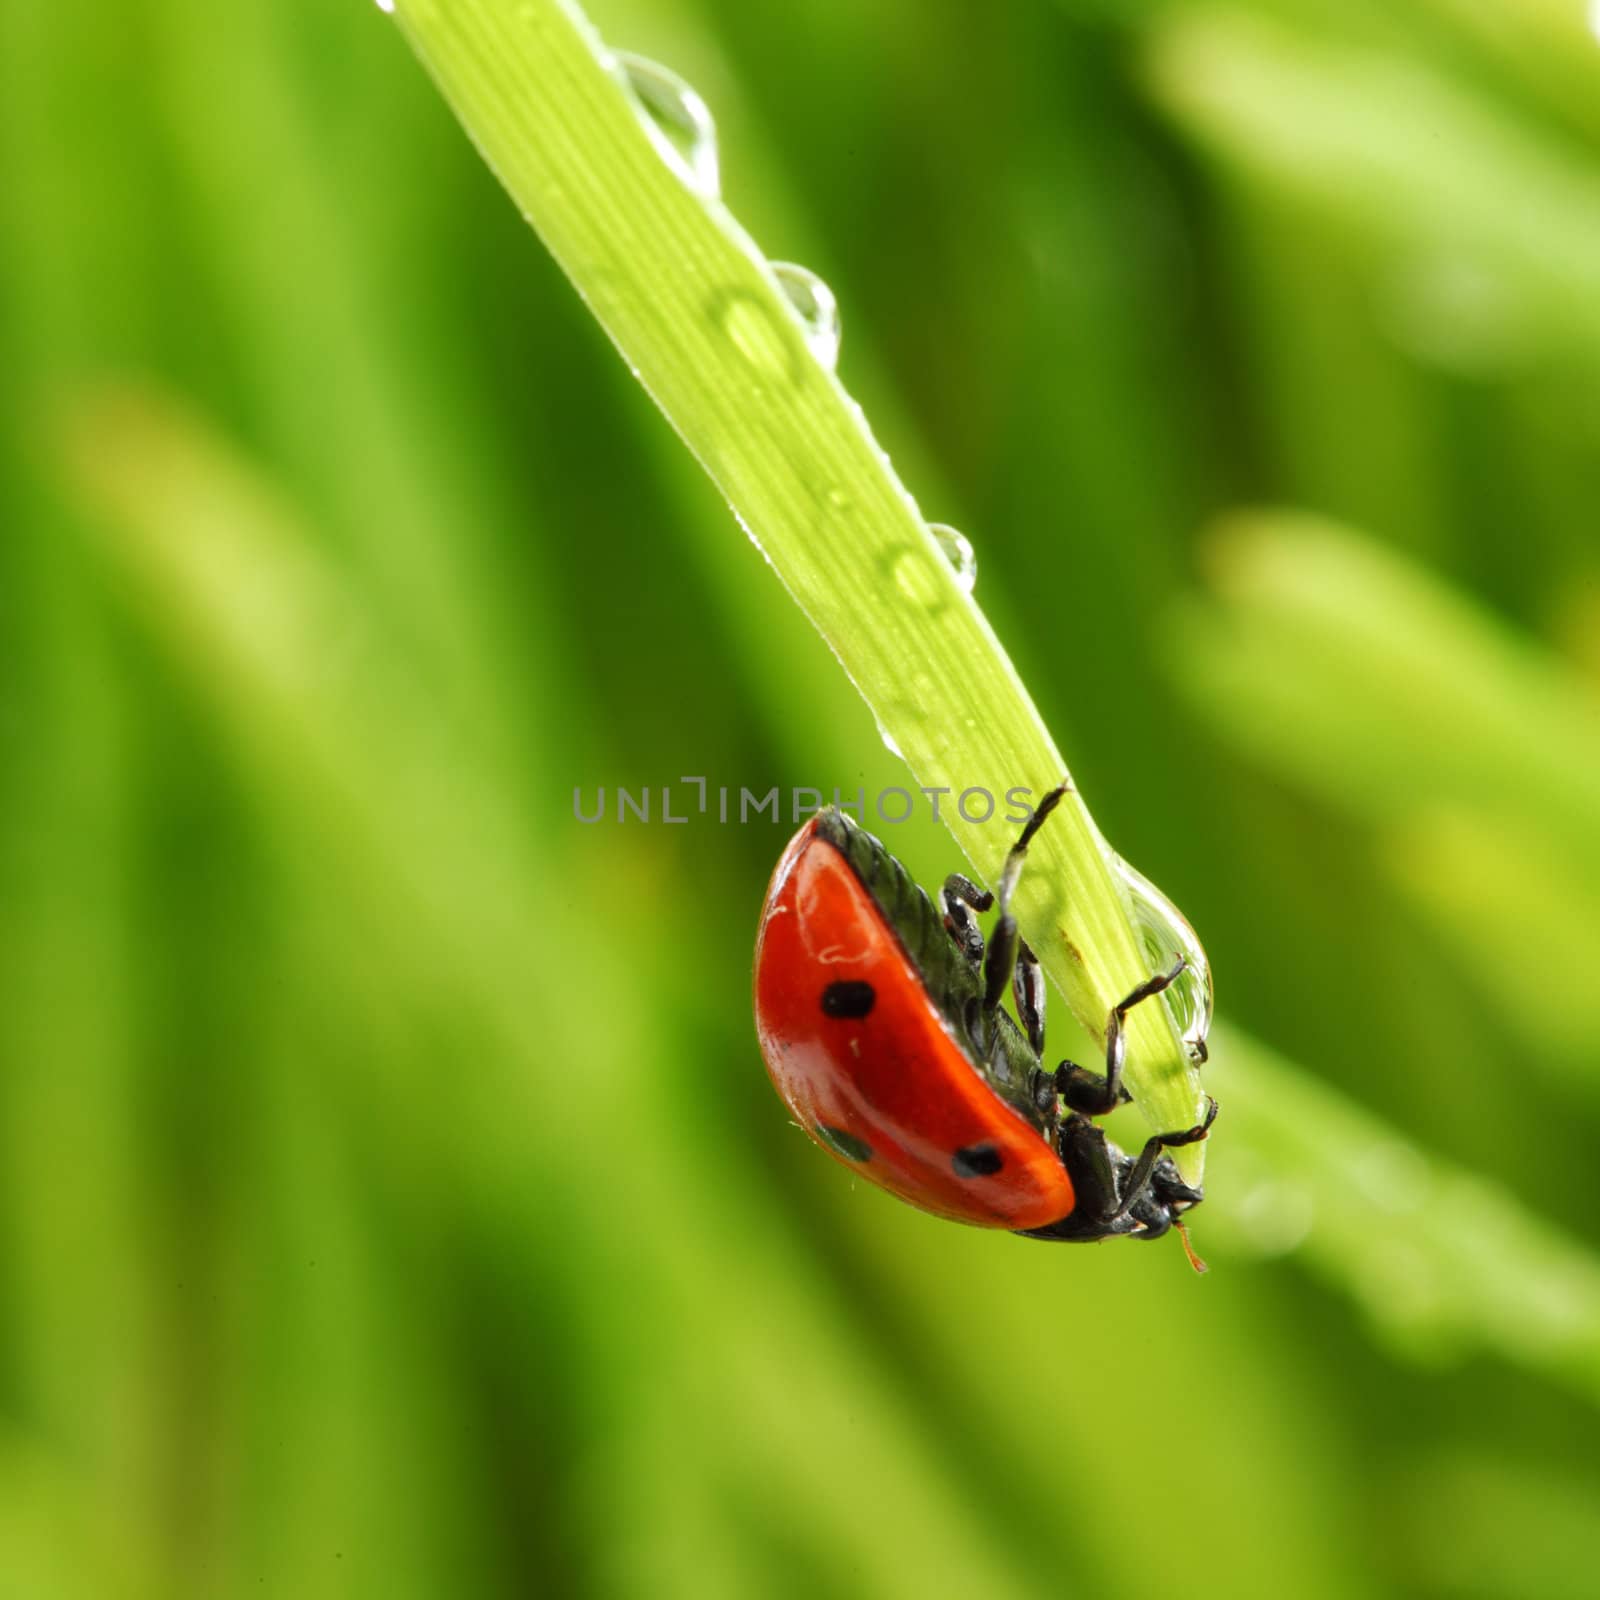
x=1188, y=1249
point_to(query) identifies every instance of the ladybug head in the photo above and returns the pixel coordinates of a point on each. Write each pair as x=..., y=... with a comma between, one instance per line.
x=1165, y=1201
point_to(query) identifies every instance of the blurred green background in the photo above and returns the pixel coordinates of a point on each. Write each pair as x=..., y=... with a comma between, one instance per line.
x=394, y=1201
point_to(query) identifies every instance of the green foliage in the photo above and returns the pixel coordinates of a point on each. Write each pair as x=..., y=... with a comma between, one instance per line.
x=700, y=319
x=394, y=1201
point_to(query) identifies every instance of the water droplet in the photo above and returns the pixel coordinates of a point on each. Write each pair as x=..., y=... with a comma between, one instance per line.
x=763, y=335
x=1166, y=933
x=958, y=551
x=816, y=307
x=889, y=742
x=916, y=577
x=679, y=121
x=386, y=5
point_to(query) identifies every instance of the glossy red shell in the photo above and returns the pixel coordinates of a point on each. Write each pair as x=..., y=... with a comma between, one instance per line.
x=896, y=1078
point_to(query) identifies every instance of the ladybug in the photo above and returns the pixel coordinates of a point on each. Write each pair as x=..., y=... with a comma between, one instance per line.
x=880, y=1021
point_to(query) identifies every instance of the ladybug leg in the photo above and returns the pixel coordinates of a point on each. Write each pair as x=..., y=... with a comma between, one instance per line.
x=958, y=894
x=1086, y=1092
x=1001, y=961
x=1115, y=1195
x=1035, y=822
x=1137, y=1183
x=1087, y=1156
x=1027, y=990
x=997, y=1062
x=1089, y=1092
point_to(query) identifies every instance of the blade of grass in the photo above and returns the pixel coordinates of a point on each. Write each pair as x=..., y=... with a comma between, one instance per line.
x=1445, y=1263
x=1443, y=176
x=1379, y=685
x=690, y=303
x=1475, y=754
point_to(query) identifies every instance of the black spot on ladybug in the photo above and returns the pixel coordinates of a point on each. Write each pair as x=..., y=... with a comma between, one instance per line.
x=848, y=998
x=847, y=1145
x=977, y=1161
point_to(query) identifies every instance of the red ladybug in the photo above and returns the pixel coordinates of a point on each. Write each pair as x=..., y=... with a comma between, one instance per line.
x=879, y=1018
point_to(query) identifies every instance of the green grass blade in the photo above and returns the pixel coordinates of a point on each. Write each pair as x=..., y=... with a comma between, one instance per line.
x=1376, y=683
x=1443, y=176
x=696, y=313
x=1445, y=1263
x=1473, y=753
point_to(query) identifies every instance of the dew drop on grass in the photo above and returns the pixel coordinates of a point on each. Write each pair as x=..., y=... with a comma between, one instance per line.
x=386, y=5
x=915, y=576
x=1167, y=934
x=815, y=305
x=958, y=552
x=761, y=334
x=678, y=120
x=889, y=743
